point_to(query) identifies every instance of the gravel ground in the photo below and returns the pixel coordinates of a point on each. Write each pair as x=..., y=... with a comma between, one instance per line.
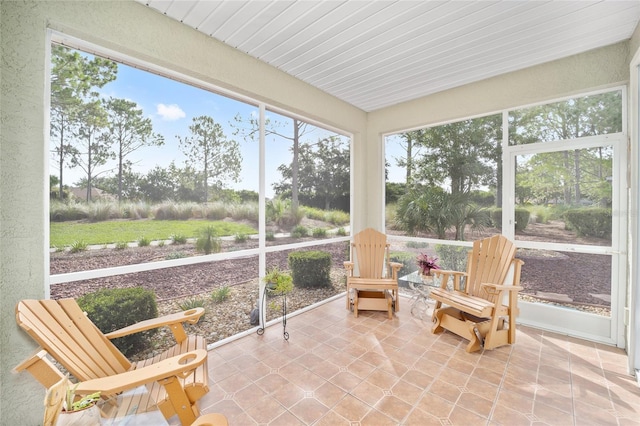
x=582, y=277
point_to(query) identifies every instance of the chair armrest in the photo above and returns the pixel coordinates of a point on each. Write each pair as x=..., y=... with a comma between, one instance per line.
x=39, y=366
x=395, y=267
x=500, y=287
x=173, y=321
x=457, y=276
x=349, y=267
x=180, y=366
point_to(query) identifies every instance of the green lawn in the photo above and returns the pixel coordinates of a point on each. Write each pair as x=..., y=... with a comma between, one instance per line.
x=66, y=233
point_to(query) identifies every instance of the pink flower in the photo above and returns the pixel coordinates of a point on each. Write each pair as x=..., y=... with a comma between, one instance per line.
x=426, y=263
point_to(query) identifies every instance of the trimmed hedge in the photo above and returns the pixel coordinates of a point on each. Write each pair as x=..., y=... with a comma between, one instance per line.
x=522, y=218
x=590, y=222
x=310, y=268
x=112, y=309
x=408, y=261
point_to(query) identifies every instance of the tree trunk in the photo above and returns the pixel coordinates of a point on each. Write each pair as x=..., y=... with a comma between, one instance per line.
x=294, y=166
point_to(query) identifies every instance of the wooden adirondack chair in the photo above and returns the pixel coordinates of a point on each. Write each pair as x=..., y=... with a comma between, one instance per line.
x=56, y=395
x=484, y=310
x=376, y=285
x=175, y=379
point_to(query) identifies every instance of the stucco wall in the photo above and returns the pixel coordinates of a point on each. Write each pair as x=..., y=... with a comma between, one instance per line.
x=135, y=30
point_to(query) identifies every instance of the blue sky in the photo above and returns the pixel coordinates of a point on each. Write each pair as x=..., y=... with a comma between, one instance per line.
x=171, y=106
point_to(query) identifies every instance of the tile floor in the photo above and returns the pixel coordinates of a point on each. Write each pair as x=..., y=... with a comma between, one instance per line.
x=339, y=370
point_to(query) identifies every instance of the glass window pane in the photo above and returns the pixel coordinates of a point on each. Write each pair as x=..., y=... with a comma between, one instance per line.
x=572, y=280
x=565, y=196
x=307, y=181
x=571, y=119
x=444, y=181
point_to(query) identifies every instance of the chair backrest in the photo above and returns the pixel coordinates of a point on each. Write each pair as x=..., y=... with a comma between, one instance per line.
x=489, y=262
x=371, y=250
x=69, y=336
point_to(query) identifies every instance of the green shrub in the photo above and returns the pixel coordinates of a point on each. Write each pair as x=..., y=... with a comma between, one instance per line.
x=165, y=211
x=417, y=244
x=495, y=214
x=319, y=232
x=61, y=212
x=121, y=245
x=100, y=211
x=522, y=218
x=208, y=241
x=112, y=309
x=245, y=211
x=161, y=243
x=187, y=304
x=221, y=294
x=78, y=246
x=280, y=212
x=241, y=238
x=216, y=211
x=143, y=241
x=336, y=217
x=299, y=231
x=178, y=239
x=270, y=236
x=590, y=222
x=341, y=232
x=310, y=268
x=539, y=214
x=408, y=261
x=175, y=255
x=451, y=257
x=135, y=210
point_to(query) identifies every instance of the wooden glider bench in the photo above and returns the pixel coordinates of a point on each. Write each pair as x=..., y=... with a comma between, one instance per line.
x=175, y=380
x=375, y=287
x=485, y=309
x=381, y=300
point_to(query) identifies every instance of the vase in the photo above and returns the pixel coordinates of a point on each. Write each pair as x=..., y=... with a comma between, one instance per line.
x=89, y=416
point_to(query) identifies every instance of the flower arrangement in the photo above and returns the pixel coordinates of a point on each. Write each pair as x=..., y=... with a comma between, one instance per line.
x=426, y=263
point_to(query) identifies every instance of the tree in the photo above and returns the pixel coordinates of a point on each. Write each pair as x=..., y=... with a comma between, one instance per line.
x=571, y=119
x=93, y=149
x=158, y=185
x=411, y=139
x=129, y=131
x=73, y=76
x=209, y=151
x=323, y=170
x=464, y=155
x=299, y=128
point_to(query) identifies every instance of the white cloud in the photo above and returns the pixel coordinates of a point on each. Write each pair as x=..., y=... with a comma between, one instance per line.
x=170, y=112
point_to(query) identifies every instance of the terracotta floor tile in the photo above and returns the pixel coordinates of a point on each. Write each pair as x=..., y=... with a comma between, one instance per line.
x=407, y=392
x=288, y=395
x=352, y=408
x=368, y=393
x=329, y=394
x=271, y=382
x=340, y=370
x=333, y=419
x=393, y=407
x=376, y=418
x=265, y=409
x=475, y=403
x=551, y=415
x=345, y=380
x=309, y=410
